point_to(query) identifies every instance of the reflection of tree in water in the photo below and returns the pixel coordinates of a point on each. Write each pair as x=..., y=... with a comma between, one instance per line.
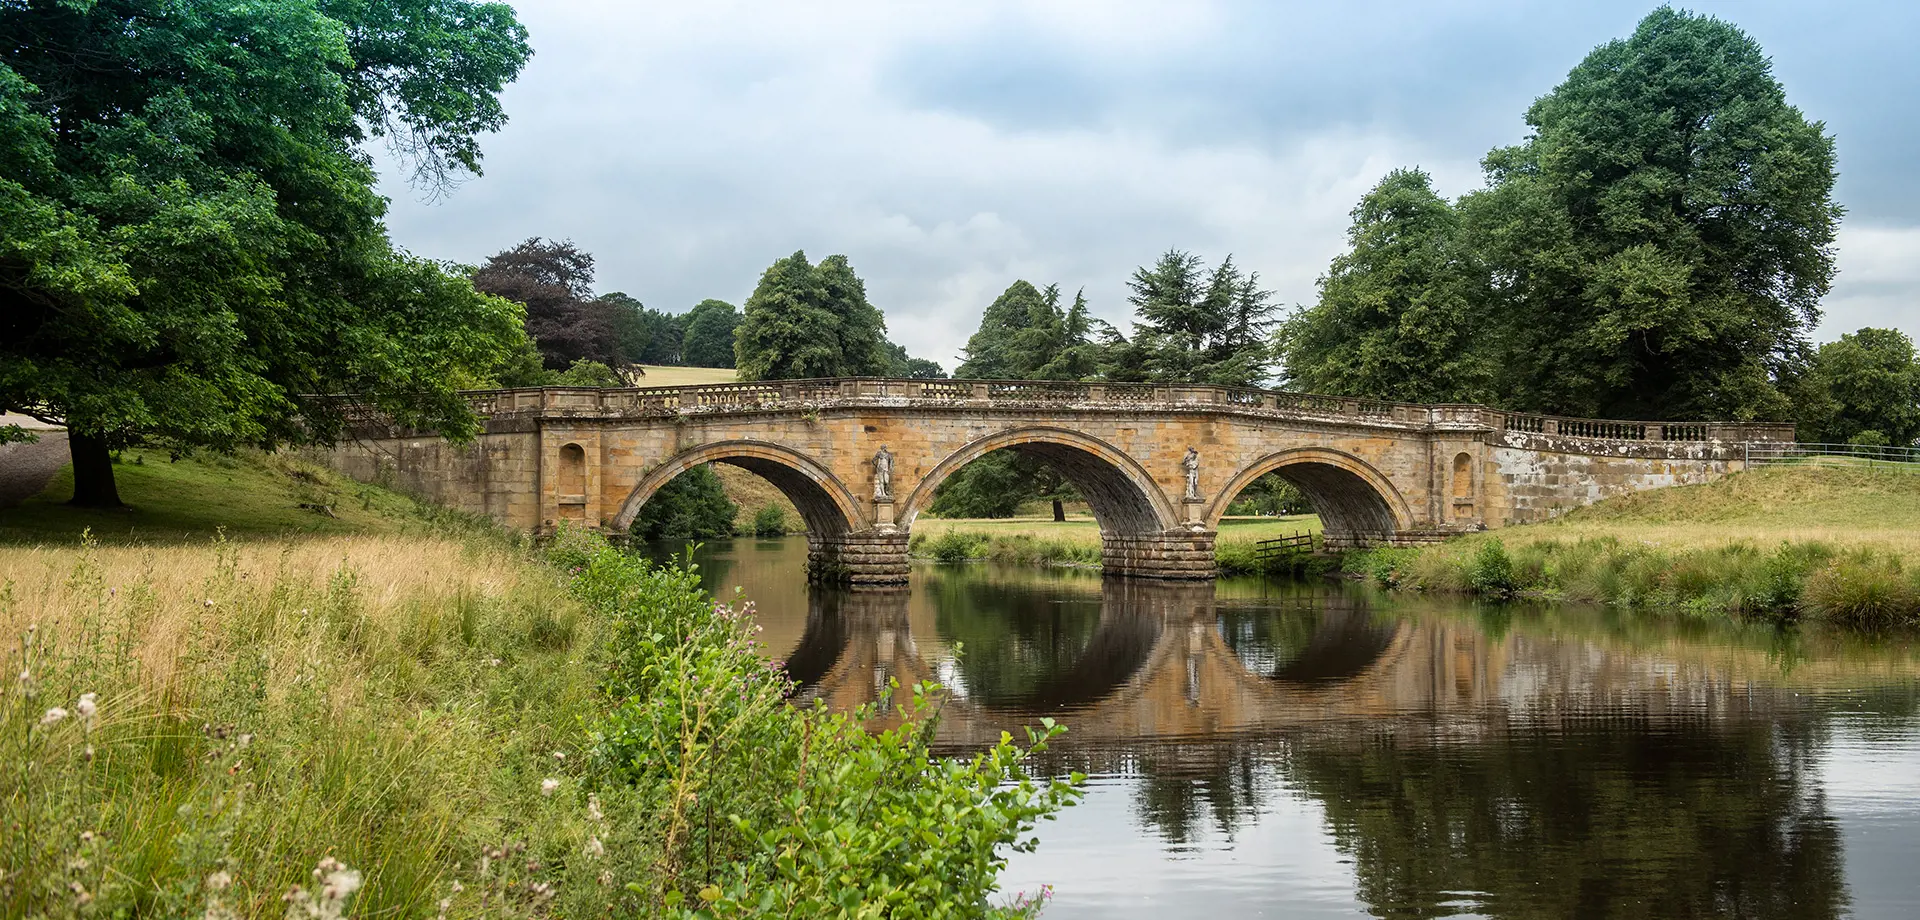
x=1328, y=640
x=1183, y=787
x=1014, y=640
x=1615, y=818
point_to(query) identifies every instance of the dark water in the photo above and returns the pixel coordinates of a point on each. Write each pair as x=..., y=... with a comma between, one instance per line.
x=1321, y=751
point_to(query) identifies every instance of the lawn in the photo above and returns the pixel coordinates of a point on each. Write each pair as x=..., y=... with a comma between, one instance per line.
x=664, y=376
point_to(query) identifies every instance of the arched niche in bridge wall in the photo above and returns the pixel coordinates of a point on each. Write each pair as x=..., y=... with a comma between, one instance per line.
x=829, y=509
x=1122, y=496
x=1350, y=496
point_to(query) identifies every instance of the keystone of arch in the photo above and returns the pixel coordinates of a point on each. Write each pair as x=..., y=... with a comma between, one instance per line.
x=821, y=497
x=1113, y=465
x=1383, y=488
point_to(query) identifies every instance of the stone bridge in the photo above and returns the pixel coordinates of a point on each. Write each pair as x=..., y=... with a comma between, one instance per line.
x=1158, y=464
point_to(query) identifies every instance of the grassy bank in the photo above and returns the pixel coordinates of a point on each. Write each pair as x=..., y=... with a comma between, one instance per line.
x=1831, y=544
x=421, y=722
x=1076, y=541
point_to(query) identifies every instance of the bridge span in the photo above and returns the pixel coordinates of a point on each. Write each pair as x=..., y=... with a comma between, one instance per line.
x=1158, y=463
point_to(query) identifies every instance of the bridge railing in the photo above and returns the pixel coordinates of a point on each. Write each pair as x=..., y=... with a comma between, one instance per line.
x=819, y=393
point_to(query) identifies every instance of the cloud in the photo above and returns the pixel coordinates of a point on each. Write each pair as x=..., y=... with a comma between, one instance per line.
x=951, y=150
x=1878, y=282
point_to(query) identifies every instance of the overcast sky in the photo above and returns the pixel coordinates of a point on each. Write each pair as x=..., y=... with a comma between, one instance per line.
x=950, y=150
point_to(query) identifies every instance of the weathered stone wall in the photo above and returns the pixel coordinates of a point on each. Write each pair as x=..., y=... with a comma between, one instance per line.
x=1533, y=477
x=496, y=475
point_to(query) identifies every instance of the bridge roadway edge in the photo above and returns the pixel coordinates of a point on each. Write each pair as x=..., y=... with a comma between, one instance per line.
x=1406, y=473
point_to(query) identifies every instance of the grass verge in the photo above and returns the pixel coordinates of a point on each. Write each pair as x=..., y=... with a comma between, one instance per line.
x=1076, y=542
x=1833, y=545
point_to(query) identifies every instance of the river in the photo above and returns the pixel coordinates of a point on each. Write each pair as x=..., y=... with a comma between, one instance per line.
x=1321, y=750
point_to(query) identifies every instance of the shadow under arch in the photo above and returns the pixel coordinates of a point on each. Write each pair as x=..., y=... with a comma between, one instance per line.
x=1349, y=494
x=1123, y=497
x=823, y=501
x=1345, y=641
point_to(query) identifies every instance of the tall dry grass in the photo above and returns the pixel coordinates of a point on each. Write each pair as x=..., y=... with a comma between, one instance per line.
x=391, y=703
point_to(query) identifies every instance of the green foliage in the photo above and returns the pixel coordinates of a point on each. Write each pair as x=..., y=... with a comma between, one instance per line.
x=708, y=341
x=692, y=506
x=1864, y=591
x=1861, y=389
x=759, y=808
x=189, y=236
x=901, y=364
x=585, y=373
x=1659, y=246
x=1196, y=325
x=646, y=335
x=1026, y=335
x=1398, y=315
x=1270, y=494
x=994, y=486
x=1011, y=549
x=771, y=521
x=1491, y=572
x=810, y=321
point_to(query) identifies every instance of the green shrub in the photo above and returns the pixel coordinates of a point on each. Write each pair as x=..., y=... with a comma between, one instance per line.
x=1491, y=574
x=770, y=521
x=957, y=546
x=1863, y=591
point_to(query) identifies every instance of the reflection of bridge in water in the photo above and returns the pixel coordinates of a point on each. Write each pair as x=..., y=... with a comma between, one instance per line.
x=1159, y=660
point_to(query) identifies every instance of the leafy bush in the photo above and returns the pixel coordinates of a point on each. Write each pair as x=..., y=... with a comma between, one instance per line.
x=694, y=506
x=761, y=808
x=770, y=521
x=1864, y=591
x=1492, y=572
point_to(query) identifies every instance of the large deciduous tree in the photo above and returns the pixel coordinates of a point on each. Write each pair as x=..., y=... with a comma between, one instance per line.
x=189, y=238
x=709, y=336
x=554, y=281
x=1397, y=316
x=1659, y=245
x=1864, y=387
x=807, y=320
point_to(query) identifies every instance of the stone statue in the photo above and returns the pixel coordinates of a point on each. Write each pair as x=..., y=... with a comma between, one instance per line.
x=1192, y=465
x=883, y=475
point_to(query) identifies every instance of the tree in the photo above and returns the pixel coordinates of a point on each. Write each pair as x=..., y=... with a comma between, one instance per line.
x=901, y=364
x=1866, y=383
x=190, y=242
x=692, y=506
x=810, y=321
x=709, y=336
x=1199, y=326
x=645, y=335
x=990, y=351
x=1658, y=247
x=1025, y=335
x=1397, y=316
x=554, y=280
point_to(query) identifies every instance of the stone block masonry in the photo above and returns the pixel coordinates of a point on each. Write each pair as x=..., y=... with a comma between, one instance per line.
x=860, y=459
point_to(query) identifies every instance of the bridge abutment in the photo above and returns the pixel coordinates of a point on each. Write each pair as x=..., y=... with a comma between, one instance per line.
x=859, y=558
x=1172, y=554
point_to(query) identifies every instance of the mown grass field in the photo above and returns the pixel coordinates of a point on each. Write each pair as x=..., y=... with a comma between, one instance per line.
x=664, y=376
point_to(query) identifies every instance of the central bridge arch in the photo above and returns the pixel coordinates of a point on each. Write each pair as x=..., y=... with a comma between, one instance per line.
x=1123, y=497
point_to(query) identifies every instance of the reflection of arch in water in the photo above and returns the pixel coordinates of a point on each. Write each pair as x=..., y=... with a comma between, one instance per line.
x=826, y=505
x=1345, y=642
x=1123, y=497
x=1352, y=498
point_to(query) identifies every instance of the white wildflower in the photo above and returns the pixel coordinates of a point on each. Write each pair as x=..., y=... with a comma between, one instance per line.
x=88, y=707
x=595, y=849
x=53, y=715
x=219, y=881
x=559, y=755
x=209, y=601
x=548, y=785
x=593, y=808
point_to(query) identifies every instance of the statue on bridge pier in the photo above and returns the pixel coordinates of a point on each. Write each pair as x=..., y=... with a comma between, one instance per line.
x=883, y=475
x=1192, y=465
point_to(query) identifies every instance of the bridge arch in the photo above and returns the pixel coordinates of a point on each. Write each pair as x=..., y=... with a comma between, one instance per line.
x=1350, y=495
x=823, y=501
x=1124, y=498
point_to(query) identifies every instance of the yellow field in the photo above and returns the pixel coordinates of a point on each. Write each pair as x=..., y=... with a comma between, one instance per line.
x=662, y=376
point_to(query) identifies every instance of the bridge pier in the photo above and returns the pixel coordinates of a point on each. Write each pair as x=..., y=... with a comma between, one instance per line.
x=1171, y=554
x=867, y=557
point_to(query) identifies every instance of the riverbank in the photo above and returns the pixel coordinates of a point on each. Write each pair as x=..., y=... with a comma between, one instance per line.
x=395, y=712
x=1076, y=541
x=1829, y=544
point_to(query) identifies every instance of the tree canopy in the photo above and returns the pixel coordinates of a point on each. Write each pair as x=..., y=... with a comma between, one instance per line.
x=1397, y=317
x=708, y=341
x=554, y=281
x=1197, y=325
x=189, y=238
x=1862, y=388
x=805, y=320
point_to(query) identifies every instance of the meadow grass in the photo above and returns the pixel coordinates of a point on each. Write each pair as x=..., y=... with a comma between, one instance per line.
x=659, y=375
x=1822, y=543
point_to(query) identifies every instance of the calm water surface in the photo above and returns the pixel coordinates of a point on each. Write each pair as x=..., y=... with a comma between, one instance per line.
x=1284, y=750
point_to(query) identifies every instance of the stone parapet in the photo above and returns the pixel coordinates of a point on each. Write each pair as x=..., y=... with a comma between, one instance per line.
x=1175, y=554
x=865, y=558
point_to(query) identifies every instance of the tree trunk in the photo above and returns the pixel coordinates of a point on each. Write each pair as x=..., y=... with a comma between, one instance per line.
x=93, y=485
x=1059, y=510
